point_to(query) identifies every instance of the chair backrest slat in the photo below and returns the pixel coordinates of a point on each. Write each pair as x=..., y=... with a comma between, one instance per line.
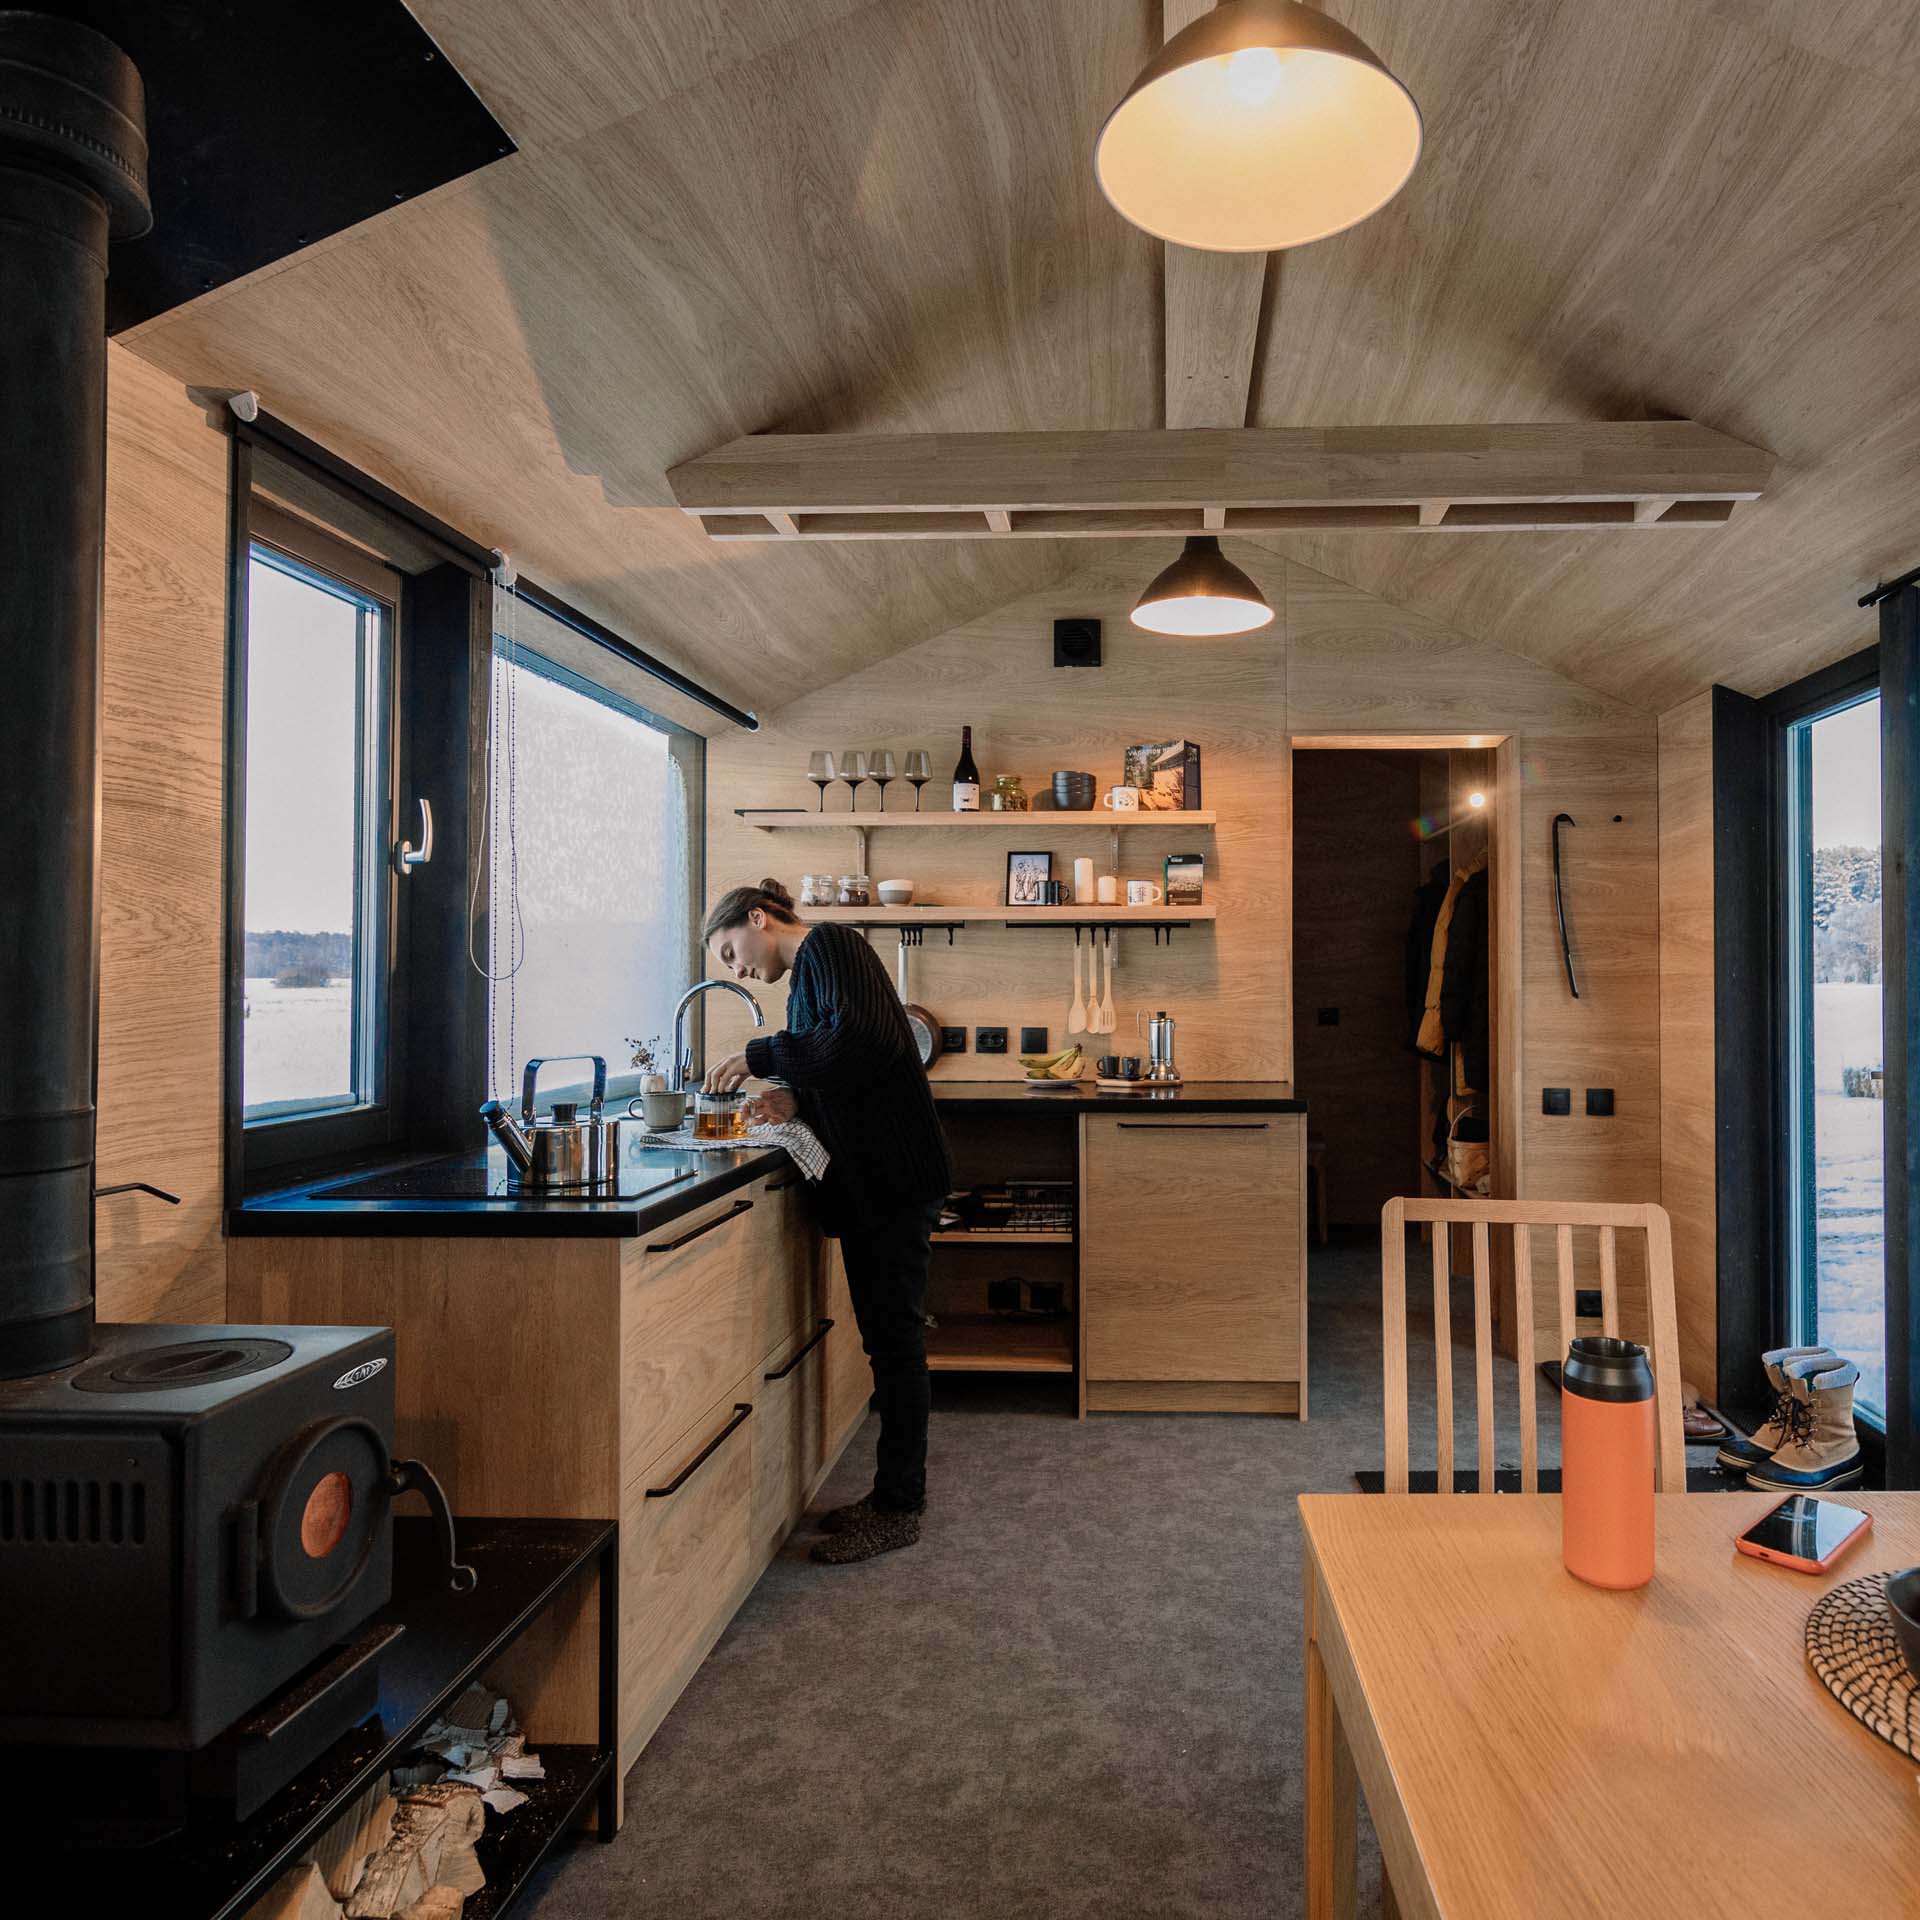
x=1609, y=1287
x=1393, y=1305
x=1483, y=1348
x=1481, y=1216
x=1523, y=1349
x=1443, y=1352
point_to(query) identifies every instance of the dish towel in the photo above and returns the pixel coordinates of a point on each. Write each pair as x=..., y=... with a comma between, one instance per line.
x=801, y=1142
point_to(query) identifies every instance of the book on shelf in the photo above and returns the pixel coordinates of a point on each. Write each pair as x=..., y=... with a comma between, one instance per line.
x=1167, y=773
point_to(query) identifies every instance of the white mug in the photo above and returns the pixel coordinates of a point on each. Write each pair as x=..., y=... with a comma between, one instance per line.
x=1143, y=893
x=1109, y=889
x=1122, y=799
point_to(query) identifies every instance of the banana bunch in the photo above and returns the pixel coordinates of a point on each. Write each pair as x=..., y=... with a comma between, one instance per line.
x=1064, y=1065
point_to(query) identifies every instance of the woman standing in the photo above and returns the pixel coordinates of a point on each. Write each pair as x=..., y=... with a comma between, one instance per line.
x=854, y=1076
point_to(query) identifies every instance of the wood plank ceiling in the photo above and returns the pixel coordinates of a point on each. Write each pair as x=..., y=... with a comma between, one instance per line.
x=813, y=215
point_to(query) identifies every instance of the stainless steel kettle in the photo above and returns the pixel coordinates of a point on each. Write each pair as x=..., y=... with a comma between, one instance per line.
x=562, y=1150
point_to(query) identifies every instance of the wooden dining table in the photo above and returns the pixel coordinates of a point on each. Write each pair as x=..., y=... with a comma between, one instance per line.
x=1531, y=1746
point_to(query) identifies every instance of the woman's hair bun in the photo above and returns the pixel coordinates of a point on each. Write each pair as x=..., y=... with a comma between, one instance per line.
x=775, y=891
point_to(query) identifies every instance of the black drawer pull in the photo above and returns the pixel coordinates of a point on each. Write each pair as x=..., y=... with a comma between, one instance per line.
x=1205, y=1126
x=741, y=1408
x=706, y=1226
x=819, y=1333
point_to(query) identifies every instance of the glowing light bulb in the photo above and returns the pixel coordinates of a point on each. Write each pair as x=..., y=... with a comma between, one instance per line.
x=1253, y=76
x=1476, y=798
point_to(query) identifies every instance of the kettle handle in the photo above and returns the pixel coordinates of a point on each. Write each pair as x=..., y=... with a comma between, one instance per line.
x=533, y=1074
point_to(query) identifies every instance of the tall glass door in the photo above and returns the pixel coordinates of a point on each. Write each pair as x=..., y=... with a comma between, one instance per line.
x=1837, y=1267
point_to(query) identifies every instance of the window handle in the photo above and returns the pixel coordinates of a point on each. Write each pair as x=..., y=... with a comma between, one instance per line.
x=405, y=857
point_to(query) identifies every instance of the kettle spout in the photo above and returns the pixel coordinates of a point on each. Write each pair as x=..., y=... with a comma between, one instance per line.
x=506, y=1129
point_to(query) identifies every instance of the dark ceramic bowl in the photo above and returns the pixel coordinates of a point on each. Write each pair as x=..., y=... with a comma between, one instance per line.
x=1903, y=1607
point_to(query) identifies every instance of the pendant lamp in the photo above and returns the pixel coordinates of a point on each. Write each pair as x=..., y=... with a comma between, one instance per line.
x=1203, y=592
x=1263, y=124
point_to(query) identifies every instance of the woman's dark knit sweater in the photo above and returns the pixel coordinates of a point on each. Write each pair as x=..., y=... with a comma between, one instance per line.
x=849, y=1056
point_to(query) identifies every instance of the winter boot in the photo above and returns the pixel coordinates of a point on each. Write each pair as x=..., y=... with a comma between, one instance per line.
x=1743, y=1455
x=1821, y=1449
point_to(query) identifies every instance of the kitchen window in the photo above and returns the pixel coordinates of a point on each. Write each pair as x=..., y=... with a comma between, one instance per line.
x=317, y=901
x=591, y=872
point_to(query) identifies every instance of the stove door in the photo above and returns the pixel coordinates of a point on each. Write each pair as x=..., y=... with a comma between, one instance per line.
x=328, y=1503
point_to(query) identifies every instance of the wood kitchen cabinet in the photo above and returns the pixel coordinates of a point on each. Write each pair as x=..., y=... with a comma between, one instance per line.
x=1193, y=1261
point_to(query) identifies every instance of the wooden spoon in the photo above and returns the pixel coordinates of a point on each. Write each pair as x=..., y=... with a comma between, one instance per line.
x=1077, y=1018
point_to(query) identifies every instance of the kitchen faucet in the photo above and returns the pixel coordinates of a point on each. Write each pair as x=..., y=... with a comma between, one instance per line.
x=681, y=1060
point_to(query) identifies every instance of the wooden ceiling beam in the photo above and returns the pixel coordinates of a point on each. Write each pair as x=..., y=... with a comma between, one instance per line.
x=1642, y=474
x=1212, y=309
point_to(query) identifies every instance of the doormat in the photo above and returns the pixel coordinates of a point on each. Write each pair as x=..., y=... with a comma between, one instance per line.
x=1507, y=1480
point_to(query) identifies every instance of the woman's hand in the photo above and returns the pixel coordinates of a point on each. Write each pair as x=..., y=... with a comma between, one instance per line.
x=727, y=1074
x=771, y=1106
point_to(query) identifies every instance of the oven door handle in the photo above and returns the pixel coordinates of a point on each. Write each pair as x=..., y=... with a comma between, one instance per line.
x=415, y=1476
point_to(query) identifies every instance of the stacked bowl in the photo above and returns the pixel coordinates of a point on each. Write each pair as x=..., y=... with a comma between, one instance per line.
x=1073, y=792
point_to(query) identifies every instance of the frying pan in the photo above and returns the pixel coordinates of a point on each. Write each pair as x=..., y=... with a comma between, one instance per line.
x=926, y=1029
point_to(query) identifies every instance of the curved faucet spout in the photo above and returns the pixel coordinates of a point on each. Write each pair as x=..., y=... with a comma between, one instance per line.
x=679, y=1018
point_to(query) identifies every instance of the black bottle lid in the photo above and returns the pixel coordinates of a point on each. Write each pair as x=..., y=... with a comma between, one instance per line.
x=1601, y=1369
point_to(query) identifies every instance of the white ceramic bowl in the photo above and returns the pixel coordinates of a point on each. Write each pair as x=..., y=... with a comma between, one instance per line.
x=896, y=893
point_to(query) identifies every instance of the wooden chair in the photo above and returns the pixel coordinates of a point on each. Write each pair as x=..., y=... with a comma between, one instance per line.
x=1522, y=1216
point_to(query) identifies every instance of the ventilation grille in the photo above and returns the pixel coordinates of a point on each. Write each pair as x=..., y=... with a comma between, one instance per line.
x=77, y=1513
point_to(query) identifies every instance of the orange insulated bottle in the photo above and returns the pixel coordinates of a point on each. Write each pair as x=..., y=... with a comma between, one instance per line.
x=1606, y=1463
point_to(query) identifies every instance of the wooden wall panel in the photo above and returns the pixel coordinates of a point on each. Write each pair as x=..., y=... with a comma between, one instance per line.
x=160, y=861
x=1688, y=1183
x=1227, y=985
x=1356, y=864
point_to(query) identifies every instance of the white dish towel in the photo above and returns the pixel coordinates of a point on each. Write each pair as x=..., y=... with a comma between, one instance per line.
x=801, y=1142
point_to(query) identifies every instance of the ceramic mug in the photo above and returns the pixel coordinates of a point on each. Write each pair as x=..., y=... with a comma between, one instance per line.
x=663, y=1111
x=1122, y=799
x=1143, y=893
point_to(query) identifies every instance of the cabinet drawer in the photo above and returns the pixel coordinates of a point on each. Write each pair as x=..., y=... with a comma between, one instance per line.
x=1190, y=1247
x=785, y=1244
x=787, y=1439
x=686, y=1555
x=687, y=1313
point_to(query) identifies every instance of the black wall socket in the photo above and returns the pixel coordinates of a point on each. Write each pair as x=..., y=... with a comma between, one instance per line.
x=1556, y=1099
x=1003, y=1296
x=1600, y=1101
x=1033, y=1039
x=989, y=1039
x=1586, y=1303
x=953, y=1039
x=1047, y=1296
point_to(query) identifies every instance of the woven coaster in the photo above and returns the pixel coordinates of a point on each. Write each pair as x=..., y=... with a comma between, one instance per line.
x=1850, y=1645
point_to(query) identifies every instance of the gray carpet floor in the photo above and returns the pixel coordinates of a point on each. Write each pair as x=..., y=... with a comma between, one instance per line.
x=1080, y=1694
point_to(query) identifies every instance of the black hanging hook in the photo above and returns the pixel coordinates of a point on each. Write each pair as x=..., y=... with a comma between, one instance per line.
x=1560, y=902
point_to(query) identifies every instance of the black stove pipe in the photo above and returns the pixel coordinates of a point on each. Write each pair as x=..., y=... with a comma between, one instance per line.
x=73, y=175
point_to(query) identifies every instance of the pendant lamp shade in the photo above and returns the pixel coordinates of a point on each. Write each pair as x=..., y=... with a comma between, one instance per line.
x=1263, y=124
x=1203, y=592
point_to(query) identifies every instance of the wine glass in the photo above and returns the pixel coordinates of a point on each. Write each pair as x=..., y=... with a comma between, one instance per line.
x=853, y=770
x=880, y=770
x=821, y=771
x=919, y=771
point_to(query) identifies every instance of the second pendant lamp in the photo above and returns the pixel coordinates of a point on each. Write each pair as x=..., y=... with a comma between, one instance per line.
x=1203, y=592
x=1263, y=124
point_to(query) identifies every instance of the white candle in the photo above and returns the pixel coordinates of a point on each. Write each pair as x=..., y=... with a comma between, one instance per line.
x=1082, y=883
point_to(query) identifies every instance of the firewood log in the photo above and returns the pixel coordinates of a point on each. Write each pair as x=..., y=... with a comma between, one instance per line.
x=437, y=1903
x=407, y=1865
x=299, y=1894
x=342, y=1852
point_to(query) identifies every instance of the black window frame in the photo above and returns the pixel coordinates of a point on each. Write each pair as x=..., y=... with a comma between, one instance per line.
x=270, y=1147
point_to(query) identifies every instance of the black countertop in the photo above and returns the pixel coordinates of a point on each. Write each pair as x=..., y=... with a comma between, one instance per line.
x=449, y=1198
x=1081, y=1096
x=661, y=1185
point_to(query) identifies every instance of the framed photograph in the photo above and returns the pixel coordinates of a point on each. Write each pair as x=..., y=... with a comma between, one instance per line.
x=1027, y=877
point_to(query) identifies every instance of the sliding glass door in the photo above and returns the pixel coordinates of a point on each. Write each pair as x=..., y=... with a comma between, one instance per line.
x=1837, y=1291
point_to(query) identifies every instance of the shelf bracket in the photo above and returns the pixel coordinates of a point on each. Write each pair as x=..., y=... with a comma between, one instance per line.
x=861, y=836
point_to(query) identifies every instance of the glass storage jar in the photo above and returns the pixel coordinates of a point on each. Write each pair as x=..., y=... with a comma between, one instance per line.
x=1008, y=795
x=856, y=890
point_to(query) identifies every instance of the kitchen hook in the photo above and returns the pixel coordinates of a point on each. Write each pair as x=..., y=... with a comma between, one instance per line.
x=1560, y=902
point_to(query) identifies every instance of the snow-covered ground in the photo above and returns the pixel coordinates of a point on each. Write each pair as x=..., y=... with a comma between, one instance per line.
x=1851, y=1289
x=299, y=1042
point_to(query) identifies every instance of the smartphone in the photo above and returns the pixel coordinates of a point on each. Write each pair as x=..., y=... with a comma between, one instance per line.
x=1805, y=1533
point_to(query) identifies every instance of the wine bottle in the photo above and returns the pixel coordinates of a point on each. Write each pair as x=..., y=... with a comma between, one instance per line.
x=966, y=777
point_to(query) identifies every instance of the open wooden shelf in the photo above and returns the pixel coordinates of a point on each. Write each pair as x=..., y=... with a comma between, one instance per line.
x=772, y=819
x=1090, y=915
x=994, y=1237
x=985, y=1343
